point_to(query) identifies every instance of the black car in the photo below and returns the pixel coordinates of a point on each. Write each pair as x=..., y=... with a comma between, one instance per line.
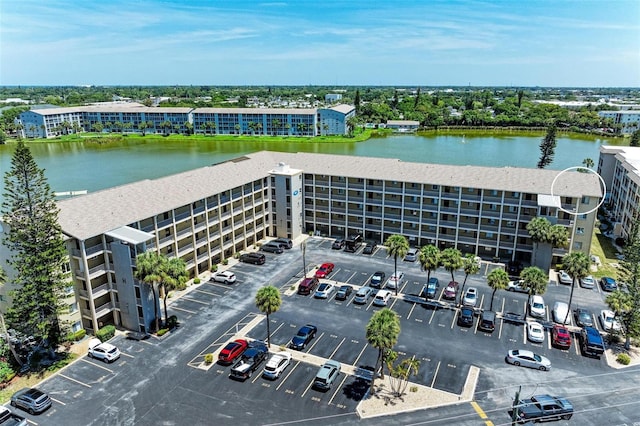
x=465, y=317
x=286, y=243
x=255, y=258
x=250, y=361
x=338, y=244
x=377, y=279
x=514, y=268
x=272, y=247
x=584, y=318
x=344, y=292
x=369, y=248
x=304, y=336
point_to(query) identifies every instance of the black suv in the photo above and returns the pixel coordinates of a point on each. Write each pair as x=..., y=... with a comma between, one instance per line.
x=465, y=317
x=369, y=248
x=250, y=361
x=272, y=247
x=255, y=258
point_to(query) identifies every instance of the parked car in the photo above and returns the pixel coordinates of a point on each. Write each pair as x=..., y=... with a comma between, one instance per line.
x=517, y=285
x=395, y=281
x=537, y=307
x=382, y=298
x=232, y=351
x=584, y=318
x=324, y=270
x=344, y=292
x=588, y=282
x=303, y=337
x=430, y=289
x=465, y=317
x=561, y=313
x=103, y=351
x=451, y=290
x=412, y=255
x=470, y=297
x=514, y=267
x=352, y=243
x=362, y=295
x=338, y=244
x=560, y=336
x=276, y=365
x=9, y=418
x=286, y=243
x=377, y=279
x=249, y=361
x=307, y=285
x=544, y=407
x=31, y=400
x=226, y=277
x=608, y=321
x=564, y=278
x=327, y=375
x=525, y=358
x=608, y=284
x=324, y=291
x=369, y=248
x=535, y=332
x=487, y=321
x=272, y=247
x=255, y=258
x=591, y=342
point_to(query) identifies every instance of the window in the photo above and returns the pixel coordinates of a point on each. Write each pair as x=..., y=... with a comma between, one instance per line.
x=73, y=307
x=579, y=231
x=577, y=245
x=68, y=290
x=585, y=200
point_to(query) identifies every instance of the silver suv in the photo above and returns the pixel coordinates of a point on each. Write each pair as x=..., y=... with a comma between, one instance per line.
x=32, y=400
x=327, y=375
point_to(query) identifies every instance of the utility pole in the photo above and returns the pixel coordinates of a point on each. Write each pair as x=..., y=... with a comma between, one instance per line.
x=514, y=409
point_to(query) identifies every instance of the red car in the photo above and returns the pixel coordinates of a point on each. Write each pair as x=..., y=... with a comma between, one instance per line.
x=324, y=270
x=232, y=351
x=451, y=290
x=561, y=337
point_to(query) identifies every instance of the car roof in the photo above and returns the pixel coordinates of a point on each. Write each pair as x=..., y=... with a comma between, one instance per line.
x=524, y=352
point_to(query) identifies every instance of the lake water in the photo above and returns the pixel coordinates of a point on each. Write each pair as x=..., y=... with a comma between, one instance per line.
x=71, y=166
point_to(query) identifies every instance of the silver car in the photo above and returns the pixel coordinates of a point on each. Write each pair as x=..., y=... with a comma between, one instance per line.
x=525, y=358
x=362, y=295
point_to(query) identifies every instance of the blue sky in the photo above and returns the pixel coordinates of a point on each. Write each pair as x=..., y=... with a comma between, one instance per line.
x=593, y=43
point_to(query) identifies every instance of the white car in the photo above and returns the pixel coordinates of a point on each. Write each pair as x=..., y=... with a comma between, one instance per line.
x=561, y=313
x=470, y=297
x=535, y=332
x=324, y=291
x=412, y=255
x=382, y=298
x=564, y=278
x=537, y=307
x=103, y=351
x=525, y=358
x=517, y=286
x=226, y=277
x=588, y=282
x=608, y=321
x=276, y=365
x=395, y=281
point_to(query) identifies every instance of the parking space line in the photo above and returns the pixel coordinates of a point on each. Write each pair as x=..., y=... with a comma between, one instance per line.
x=360, y=354
x=205, y=292
x=287, y=376
x=481, y=301
x=53, y=399
x=433, y=382
x=194, y=300
x=337, y=347
x=96, y=365
x=433, y=314
x=395, y=299
x=453, y=320
x=411, y=310
x=224, y=286
x=338, y=389
x=130, y=356
x=74, y=380
x=183, y=310
x=352, y=275
x=315, y=341
x=524, y=333
x=308, y=387
x=277, y=328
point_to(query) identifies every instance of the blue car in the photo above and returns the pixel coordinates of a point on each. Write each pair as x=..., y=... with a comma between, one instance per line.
x=304, y=336
x=608, y=284
x=431, y=288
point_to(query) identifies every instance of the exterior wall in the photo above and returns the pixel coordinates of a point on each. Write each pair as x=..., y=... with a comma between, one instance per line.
x=269, y=122
x=630, y=120
x=286, y=202
x=333, y=122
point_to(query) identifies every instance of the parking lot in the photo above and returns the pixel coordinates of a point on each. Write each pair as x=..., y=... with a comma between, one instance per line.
x=156, y=378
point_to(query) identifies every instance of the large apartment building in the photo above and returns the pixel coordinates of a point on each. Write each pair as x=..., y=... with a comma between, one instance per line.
x=208, y=214
x=619, y=167
x=629, y=121
x=137, y=118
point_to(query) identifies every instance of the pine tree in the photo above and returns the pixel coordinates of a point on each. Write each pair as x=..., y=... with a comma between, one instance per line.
x=356, y=101
x=37, y=247
x=547, y=147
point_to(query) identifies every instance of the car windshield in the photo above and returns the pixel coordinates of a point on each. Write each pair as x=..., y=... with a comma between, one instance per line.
x=537, y=357
x=538, y=305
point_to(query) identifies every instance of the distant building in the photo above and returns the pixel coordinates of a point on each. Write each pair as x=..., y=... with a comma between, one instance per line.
x=629, y=120
x=332, y=97
x=403, y=125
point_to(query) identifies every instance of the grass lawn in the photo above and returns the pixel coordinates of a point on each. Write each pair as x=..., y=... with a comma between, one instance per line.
x=603, y=247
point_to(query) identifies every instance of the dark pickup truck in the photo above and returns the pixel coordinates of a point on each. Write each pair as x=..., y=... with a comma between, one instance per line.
x=544, y=407
x=7, y=418
x=250, y=361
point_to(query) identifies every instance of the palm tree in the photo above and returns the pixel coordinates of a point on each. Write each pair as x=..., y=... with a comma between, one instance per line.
x=429, y=258
x=546, y=236
x=588, y=162
x=451, y=259
x=470, y=266
x=397, y=246
x=149, y=270
x=535, y=280
x=174, y=277
x=382, y=333
x=268, y=301
x=576, y=264
x=498, y=279
x=142, y=126
x=621, y=304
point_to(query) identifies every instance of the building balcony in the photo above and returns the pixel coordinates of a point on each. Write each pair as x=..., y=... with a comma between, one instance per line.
x=90, y=251
x=105, y=309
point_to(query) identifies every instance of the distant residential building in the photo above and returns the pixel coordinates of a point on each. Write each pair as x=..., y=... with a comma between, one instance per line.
x=403, y=125
x=332, y=97
x=629, y=120
x=333, y=121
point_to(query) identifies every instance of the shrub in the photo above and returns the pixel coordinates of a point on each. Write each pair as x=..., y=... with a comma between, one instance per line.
x=196, y=280
x=6, y=372
x=623, y=359
x=236, y=255
x=214, y=268
x=70, y=337
x=172, y=322
x=106, y=333
x=163, y=331
x=225, y=261
x=79, y=335
x=413, y=389
x=208, y=358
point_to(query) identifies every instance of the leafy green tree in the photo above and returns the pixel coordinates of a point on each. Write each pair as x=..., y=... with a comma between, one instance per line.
x=498, y=279
x=268, y=301
x=149, y=270
x=576, y=264
x=397, y=246
x=401, y=372
x=635, y=138
x=38, y=249
x=535, y=280
x=621, y=304
x=174, y=276
x=546, y=236
x=547, y=147
x=470, y=267
x=382, y=333
x=429, y=258
x=451, y=260
x=356, y=101
x=630, y=274
x=3, y=328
